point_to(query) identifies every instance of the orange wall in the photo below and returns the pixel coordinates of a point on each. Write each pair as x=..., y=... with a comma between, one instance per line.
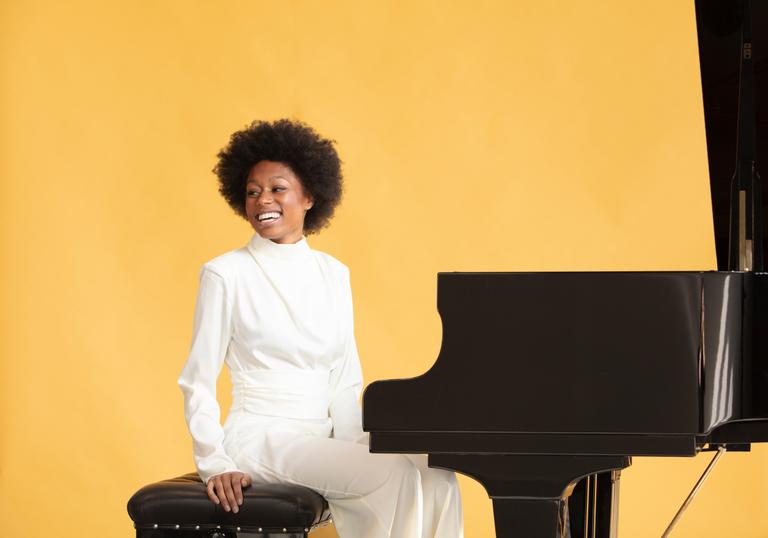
x=500, y=136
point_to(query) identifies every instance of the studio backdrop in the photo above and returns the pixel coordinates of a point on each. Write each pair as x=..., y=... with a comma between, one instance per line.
x=476, y=136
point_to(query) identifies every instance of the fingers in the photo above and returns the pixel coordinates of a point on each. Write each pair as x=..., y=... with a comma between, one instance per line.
x=237, y=488
x=220, y=493
x=229, y=501
x=227, y=489
x=209, y=489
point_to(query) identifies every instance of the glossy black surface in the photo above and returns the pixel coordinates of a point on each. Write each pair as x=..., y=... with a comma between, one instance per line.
x=540, y=375
x=529, y=492
x=736, y=383
x=179, y=507
x=549, y=341
x=633, y=363
x=718, y=24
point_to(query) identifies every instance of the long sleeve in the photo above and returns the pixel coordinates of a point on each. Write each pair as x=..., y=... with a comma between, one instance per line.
x=346, y=378
x=211, y=333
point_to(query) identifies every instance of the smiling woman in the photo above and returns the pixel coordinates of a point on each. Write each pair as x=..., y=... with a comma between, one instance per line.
x=276, y=202
x=280, y=315
x=289, y=149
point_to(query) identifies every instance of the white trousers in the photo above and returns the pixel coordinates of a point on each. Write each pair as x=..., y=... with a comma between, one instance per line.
x=370, y=495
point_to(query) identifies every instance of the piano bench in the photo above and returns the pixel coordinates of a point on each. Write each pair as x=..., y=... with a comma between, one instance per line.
x=180, y=508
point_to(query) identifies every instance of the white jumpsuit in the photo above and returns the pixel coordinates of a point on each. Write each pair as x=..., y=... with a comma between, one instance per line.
x=280, y=316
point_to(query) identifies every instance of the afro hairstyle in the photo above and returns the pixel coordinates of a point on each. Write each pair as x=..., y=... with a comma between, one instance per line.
x=293, y=143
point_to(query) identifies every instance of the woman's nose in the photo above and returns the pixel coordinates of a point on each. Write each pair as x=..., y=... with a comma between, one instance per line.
x=265, y=197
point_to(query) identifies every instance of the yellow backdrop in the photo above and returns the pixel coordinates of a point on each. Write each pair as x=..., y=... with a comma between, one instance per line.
x=500, y=136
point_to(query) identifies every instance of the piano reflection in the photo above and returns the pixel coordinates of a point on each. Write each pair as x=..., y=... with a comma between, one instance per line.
x=606, y=365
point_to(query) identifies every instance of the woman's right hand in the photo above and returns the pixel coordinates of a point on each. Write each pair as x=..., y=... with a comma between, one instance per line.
x=227, y=489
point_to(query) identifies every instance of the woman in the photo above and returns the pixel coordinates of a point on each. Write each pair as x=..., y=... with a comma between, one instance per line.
x=279, y=313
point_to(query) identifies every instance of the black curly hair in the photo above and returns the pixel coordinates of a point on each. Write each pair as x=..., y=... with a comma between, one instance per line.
x=293, y=143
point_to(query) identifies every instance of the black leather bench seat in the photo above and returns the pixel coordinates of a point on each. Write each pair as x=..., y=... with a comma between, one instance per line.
x=182, y=504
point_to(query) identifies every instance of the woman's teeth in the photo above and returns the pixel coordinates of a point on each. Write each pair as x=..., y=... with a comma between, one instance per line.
x=268, y=216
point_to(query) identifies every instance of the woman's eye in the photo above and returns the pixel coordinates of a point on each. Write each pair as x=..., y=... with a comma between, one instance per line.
x=256, y=193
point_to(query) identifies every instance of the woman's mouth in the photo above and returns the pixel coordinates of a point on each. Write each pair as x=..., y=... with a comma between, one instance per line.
x=269, y=218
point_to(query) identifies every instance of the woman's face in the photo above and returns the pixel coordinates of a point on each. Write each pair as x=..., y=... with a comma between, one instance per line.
x=275, y=202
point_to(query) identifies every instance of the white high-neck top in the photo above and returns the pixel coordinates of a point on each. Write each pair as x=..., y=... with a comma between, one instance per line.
x=280, y=316
x=285, y=251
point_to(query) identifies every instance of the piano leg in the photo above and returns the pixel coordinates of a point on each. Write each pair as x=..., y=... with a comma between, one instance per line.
x=529, y=518
x=530, y=493
x=593, y=506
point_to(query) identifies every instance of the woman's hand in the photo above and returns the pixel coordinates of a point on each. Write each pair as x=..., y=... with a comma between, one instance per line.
x=227, y=488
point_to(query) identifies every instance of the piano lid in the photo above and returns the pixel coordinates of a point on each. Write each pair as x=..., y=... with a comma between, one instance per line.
x=719, y=25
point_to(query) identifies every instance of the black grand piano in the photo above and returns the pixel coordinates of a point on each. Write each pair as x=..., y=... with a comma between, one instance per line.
x=548, y=383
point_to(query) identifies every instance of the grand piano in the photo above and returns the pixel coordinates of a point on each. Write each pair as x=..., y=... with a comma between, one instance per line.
x=565, y=376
